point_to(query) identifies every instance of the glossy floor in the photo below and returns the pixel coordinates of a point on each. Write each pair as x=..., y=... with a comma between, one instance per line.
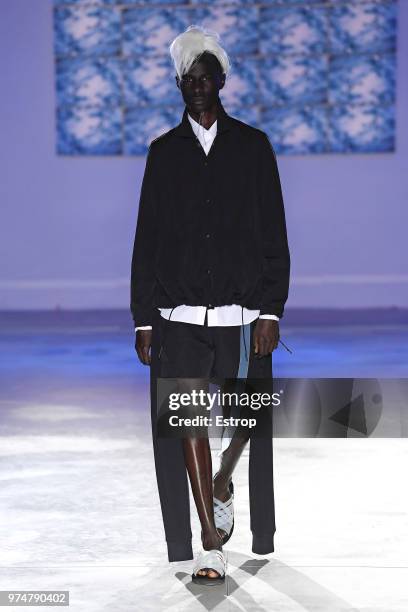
x=79, y=507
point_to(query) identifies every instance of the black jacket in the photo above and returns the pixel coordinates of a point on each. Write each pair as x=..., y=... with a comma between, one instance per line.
x=211, y=229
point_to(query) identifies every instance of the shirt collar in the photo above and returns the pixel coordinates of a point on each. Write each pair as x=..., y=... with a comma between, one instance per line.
x=212, y=130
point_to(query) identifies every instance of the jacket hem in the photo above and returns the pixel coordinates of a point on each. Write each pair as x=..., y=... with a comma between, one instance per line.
x=221, y=300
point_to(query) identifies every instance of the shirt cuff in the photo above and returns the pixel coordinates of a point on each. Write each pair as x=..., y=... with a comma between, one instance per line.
x=269, y=316
x=143, y=327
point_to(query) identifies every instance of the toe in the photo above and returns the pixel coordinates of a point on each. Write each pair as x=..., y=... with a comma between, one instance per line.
x=212, y=574
x=209, y=572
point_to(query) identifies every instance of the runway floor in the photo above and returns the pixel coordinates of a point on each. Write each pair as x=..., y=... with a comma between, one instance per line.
x=79, y=508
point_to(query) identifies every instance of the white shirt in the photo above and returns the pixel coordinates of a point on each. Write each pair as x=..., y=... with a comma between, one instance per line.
x=219, y=316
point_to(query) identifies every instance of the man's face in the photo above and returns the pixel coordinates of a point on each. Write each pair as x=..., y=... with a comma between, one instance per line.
x=200, y=85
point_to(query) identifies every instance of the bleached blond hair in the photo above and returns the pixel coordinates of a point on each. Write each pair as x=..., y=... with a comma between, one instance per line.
x=189, y=45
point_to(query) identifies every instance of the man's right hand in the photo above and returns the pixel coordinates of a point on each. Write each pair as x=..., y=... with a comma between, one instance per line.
x=142, y=345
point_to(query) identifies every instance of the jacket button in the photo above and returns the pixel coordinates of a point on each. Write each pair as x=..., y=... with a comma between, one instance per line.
x=208, y=200
x=207, y=235
x=205, y=163
x=208, y=271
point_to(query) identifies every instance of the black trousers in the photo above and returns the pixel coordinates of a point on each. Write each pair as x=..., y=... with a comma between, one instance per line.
x=189, y=350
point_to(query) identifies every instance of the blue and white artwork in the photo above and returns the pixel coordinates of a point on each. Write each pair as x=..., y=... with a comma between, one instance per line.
x=318, y=76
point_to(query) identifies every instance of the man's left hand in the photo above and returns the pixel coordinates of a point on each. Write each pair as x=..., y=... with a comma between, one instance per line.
x=266, y=337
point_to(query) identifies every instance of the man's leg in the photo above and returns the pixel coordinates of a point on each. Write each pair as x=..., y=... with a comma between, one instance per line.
x=230, y=361
x=261, y=489
x=170, y=465
x=187, y=354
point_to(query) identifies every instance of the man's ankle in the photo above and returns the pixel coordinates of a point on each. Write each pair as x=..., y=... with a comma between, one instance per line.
x=211, y=541
x=222, y=480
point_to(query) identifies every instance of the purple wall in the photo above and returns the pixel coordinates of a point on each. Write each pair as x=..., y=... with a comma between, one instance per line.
x=67, y=224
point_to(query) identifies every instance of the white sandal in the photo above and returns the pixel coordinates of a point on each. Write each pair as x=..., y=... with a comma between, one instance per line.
x=210, y=559
x=224, y=515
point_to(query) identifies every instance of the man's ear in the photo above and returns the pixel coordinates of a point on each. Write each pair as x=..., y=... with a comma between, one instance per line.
x=222, y=80
x=177, y=81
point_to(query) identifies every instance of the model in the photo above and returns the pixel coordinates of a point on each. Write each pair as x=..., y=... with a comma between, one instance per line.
x=210, y=258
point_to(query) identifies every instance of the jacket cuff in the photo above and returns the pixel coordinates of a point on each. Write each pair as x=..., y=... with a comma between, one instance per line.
x=276, y=308
x=142, y=317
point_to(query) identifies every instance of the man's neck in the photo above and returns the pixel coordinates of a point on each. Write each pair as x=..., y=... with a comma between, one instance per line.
x=207, y=118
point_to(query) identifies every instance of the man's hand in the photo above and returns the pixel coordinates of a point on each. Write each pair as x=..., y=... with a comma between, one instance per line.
x=142, y=345
x=266, y=337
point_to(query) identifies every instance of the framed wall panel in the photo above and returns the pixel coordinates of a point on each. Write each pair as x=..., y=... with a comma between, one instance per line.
x=317, y=75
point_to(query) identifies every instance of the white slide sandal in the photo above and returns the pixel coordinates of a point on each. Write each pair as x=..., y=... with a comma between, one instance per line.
x=210, y=559
x=224, y=515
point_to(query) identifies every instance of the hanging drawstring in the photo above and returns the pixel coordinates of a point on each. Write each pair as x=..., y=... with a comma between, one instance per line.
x=243, y=332
x=164, y=333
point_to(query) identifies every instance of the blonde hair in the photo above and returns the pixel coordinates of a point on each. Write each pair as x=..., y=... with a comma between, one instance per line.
x=189, y=45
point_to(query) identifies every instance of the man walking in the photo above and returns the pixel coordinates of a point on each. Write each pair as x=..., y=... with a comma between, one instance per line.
x=210, y=257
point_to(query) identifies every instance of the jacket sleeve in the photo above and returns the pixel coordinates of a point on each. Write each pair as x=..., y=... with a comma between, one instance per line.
x=143, y=277
x=274, y=242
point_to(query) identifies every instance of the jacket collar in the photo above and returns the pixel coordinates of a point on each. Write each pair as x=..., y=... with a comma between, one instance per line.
x=224, y=122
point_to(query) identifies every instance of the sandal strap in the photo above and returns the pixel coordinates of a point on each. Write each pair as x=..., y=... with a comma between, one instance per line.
x=213, y=559
x=223, y=514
